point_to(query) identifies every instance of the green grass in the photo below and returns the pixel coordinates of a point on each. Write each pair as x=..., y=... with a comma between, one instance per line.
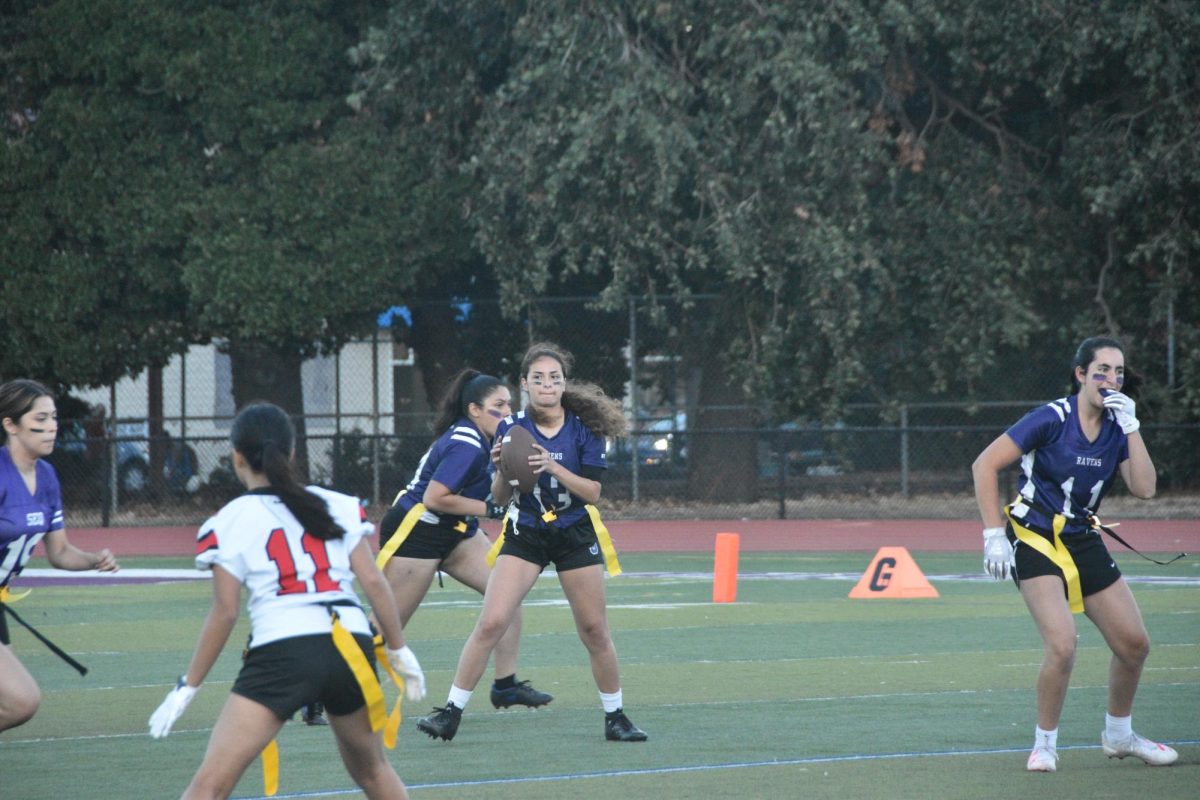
x=793, y=691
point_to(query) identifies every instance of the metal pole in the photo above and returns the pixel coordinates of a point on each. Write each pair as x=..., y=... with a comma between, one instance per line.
x=112, y=450
x=1170, y=325
x=633, y=393
x=375, y=415
x=904, y=451
x=337, y=414
x=782, y=444
x=183, y=397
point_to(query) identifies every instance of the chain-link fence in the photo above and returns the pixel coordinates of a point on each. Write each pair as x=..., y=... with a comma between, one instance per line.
x=695, y=449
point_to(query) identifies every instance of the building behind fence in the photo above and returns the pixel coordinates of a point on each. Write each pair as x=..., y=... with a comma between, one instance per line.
x=367, y=425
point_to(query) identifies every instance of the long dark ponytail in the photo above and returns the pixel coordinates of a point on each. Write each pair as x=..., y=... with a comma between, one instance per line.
x=264, y=436
x=467, y=387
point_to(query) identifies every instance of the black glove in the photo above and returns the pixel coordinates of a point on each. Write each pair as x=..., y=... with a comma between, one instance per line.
x=494, y=511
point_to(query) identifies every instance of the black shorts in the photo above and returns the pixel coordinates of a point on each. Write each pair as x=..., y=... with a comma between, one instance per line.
x=289, y=673
x=569, y=548
x=1097, y=569
x=425, y=540
x=4, y=626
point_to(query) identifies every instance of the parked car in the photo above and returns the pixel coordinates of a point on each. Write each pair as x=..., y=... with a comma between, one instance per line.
x=661, y=443
x=80, y=456
x=806, y=449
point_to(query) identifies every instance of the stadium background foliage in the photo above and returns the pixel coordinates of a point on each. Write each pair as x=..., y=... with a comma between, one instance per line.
x=830, y=249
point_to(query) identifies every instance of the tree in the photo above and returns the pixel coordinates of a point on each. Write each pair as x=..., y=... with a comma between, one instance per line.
x=883, y=194
x=193, y=170
x=89, y=175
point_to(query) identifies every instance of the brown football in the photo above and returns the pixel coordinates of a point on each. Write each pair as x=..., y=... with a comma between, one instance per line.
x=515, y=449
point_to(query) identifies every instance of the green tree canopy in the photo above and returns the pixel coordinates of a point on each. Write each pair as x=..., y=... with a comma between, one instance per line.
x=895, y=201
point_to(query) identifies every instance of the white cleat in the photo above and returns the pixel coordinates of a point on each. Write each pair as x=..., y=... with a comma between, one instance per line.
x=1042, y=759
x=1153, y=753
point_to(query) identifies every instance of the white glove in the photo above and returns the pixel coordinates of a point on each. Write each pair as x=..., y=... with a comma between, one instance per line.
x=1125, y=410
x=998, y=558
x=171, y=709
x=404, y=662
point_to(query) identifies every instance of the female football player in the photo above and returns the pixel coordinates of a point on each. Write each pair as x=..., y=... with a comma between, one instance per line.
x=298, y=551
x=433, y=523
x=555, y=523
x=1047, y=539
x=30, y=510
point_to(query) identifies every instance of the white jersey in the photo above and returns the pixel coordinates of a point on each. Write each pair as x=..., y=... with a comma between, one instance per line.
x=289, y=572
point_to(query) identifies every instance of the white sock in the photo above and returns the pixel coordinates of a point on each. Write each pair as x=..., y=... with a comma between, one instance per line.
x=1043, y=738
x=1118, y=729
x=458, y=696
x=611, y=702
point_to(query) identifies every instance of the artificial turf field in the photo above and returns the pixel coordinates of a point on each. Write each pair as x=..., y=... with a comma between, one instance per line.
x=792, y=691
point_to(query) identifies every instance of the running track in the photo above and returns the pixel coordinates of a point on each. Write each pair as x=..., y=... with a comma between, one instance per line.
x=638, y=536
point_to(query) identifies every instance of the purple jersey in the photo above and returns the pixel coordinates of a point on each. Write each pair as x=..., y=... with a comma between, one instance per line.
x=460, y=460
x=575, y=447
x=25, y=518
x=1061, y=471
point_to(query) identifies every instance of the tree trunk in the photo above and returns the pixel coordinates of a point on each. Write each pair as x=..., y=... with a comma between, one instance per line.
x=436, y=347
x=155, y=430
x=273, y=375
x=722, y=467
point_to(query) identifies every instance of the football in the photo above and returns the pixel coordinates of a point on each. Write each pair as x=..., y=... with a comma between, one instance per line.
x=515, y=449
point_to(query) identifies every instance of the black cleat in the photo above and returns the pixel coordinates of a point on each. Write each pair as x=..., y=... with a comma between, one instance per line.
x=313, y=714
x=520, y=695
x=618, y=728
x=442, y=723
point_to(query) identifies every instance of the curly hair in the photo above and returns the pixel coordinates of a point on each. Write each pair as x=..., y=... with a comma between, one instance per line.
x=595, y=409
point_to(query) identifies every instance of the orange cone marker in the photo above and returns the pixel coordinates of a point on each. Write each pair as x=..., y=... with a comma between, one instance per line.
x=893, y=574
x=725, y=568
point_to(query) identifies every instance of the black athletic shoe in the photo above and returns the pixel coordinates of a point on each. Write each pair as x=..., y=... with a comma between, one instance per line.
x=313, y=714
x=618, y=728
x=520, y=695
x=442, y=723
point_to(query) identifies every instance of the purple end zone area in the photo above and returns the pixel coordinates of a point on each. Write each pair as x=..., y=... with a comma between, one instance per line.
x=638, y=536
x=34, y=581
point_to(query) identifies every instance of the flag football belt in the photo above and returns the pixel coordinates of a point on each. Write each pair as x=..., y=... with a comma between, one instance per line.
x=1053, y=549
x=6, y=599
x=1094, y=523
x=405, y=528
x=368, y=684
x=606, y=546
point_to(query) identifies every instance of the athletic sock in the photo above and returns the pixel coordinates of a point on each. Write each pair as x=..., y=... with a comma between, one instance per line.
x=1043, y=738
x=611, y=702
x=1118, y=729
x=458, y=697
x=505, y=683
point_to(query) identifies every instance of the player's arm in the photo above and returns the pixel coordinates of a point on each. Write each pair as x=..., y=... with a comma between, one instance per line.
x=1000, y=454
x=502, y=491
x=64, y=555
x=379, y=593
x=1138, y=470
x=585, y=489
x=383, y=603
x=438, y=497
x=997, y=550
x=222, y=616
